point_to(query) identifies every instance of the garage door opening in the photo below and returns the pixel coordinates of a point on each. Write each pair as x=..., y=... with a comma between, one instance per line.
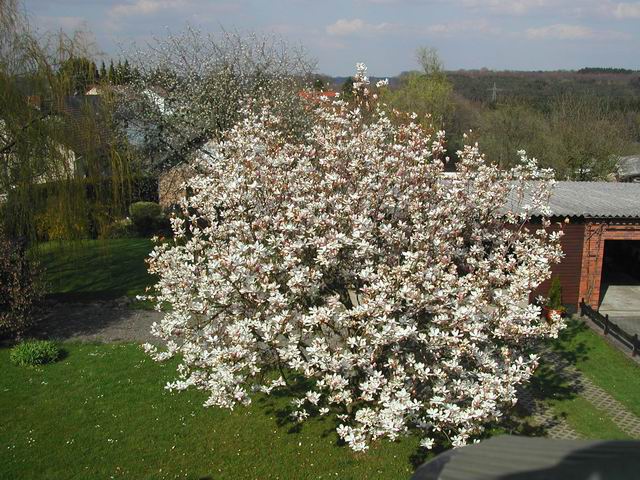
x=620, y=283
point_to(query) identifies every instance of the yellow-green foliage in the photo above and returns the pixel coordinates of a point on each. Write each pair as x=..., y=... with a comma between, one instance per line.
x=423, y=94
x=51, y=136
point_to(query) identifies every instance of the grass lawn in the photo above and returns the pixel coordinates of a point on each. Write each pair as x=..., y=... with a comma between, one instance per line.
x=587, y=420
x=96, y=269
x=604, y=364
x=102, y=412
x=579, y=413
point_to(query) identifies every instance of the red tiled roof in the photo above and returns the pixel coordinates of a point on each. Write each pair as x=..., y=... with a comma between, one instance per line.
x=315, y=96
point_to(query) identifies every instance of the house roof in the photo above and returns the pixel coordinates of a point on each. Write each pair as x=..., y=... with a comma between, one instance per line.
x=529, y=458
x=596, y=199
x=316, y=96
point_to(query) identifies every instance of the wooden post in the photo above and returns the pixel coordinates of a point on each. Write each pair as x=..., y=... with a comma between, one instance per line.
x=606, y=324
x=636, y=347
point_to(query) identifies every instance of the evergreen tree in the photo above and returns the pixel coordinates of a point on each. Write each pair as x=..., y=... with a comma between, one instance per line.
x=126, y=72
x=103, y=72
x=111, y=76
x=347, y=89
x=118, y=79
x=76, y=74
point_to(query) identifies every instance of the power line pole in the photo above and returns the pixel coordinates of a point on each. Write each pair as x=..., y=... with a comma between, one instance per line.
x=494, y=92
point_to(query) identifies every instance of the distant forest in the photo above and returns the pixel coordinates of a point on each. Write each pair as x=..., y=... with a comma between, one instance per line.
x=577, y=122
x=620, y=87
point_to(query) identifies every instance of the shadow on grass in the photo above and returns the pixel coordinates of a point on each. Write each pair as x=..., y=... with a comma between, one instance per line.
x=95, y=269
x=550, y=383
x=571, y=353
x=278, y=404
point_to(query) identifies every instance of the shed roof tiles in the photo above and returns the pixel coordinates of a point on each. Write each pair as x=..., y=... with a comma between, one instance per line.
x=596, y=199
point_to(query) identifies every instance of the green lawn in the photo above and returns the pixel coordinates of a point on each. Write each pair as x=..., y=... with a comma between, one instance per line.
x=102, y=411
x=604, y=364
x=588, y=420
x=96, y=269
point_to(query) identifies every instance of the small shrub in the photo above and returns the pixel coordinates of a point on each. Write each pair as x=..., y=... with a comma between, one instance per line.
x=122, y=228
x=21, y=287
x=34, y=352
x=555, y=294
x=147, y=217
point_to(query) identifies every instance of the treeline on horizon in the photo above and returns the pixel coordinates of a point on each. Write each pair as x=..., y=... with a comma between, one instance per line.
x=577, y=122
x=619, y=86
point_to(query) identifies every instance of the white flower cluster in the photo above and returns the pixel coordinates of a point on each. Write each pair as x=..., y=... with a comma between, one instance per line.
x=352, y=260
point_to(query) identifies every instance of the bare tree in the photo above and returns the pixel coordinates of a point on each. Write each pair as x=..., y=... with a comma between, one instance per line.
x=429, y=60
x=190, y=86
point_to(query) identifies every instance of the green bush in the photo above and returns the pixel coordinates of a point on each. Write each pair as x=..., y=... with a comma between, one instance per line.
x=34, y=352
x=555, y=294
x=122, y=228
x=147, y=217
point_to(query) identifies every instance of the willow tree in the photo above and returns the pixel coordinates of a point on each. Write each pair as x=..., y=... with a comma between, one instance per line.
x=64, y=169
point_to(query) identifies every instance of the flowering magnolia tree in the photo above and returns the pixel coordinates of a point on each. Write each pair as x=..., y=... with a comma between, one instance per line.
x=399, y=293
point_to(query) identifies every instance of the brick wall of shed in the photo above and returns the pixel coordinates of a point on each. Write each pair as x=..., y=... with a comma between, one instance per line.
x=570, y=268
x=597, y=232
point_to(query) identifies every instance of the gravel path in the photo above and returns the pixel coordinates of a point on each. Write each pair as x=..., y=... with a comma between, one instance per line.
x=105, y=321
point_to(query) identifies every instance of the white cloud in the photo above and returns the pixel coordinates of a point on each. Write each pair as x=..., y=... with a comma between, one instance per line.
x=508, y=7
x=357, y=26
x=560, y=31
x=145, y=7
x=627, y=10
x=463, y=27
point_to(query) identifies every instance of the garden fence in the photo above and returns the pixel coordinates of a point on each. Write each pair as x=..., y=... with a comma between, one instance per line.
x=610, y=328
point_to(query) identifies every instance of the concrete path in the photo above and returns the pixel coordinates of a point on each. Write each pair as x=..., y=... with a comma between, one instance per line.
x=621, y=301
x=626, y=421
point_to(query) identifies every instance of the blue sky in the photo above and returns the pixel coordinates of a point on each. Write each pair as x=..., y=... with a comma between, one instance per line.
x=497, y=34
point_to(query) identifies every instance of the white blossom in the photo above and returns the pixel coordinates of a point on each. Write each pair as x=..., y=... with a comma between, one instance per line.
x=350, y=259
